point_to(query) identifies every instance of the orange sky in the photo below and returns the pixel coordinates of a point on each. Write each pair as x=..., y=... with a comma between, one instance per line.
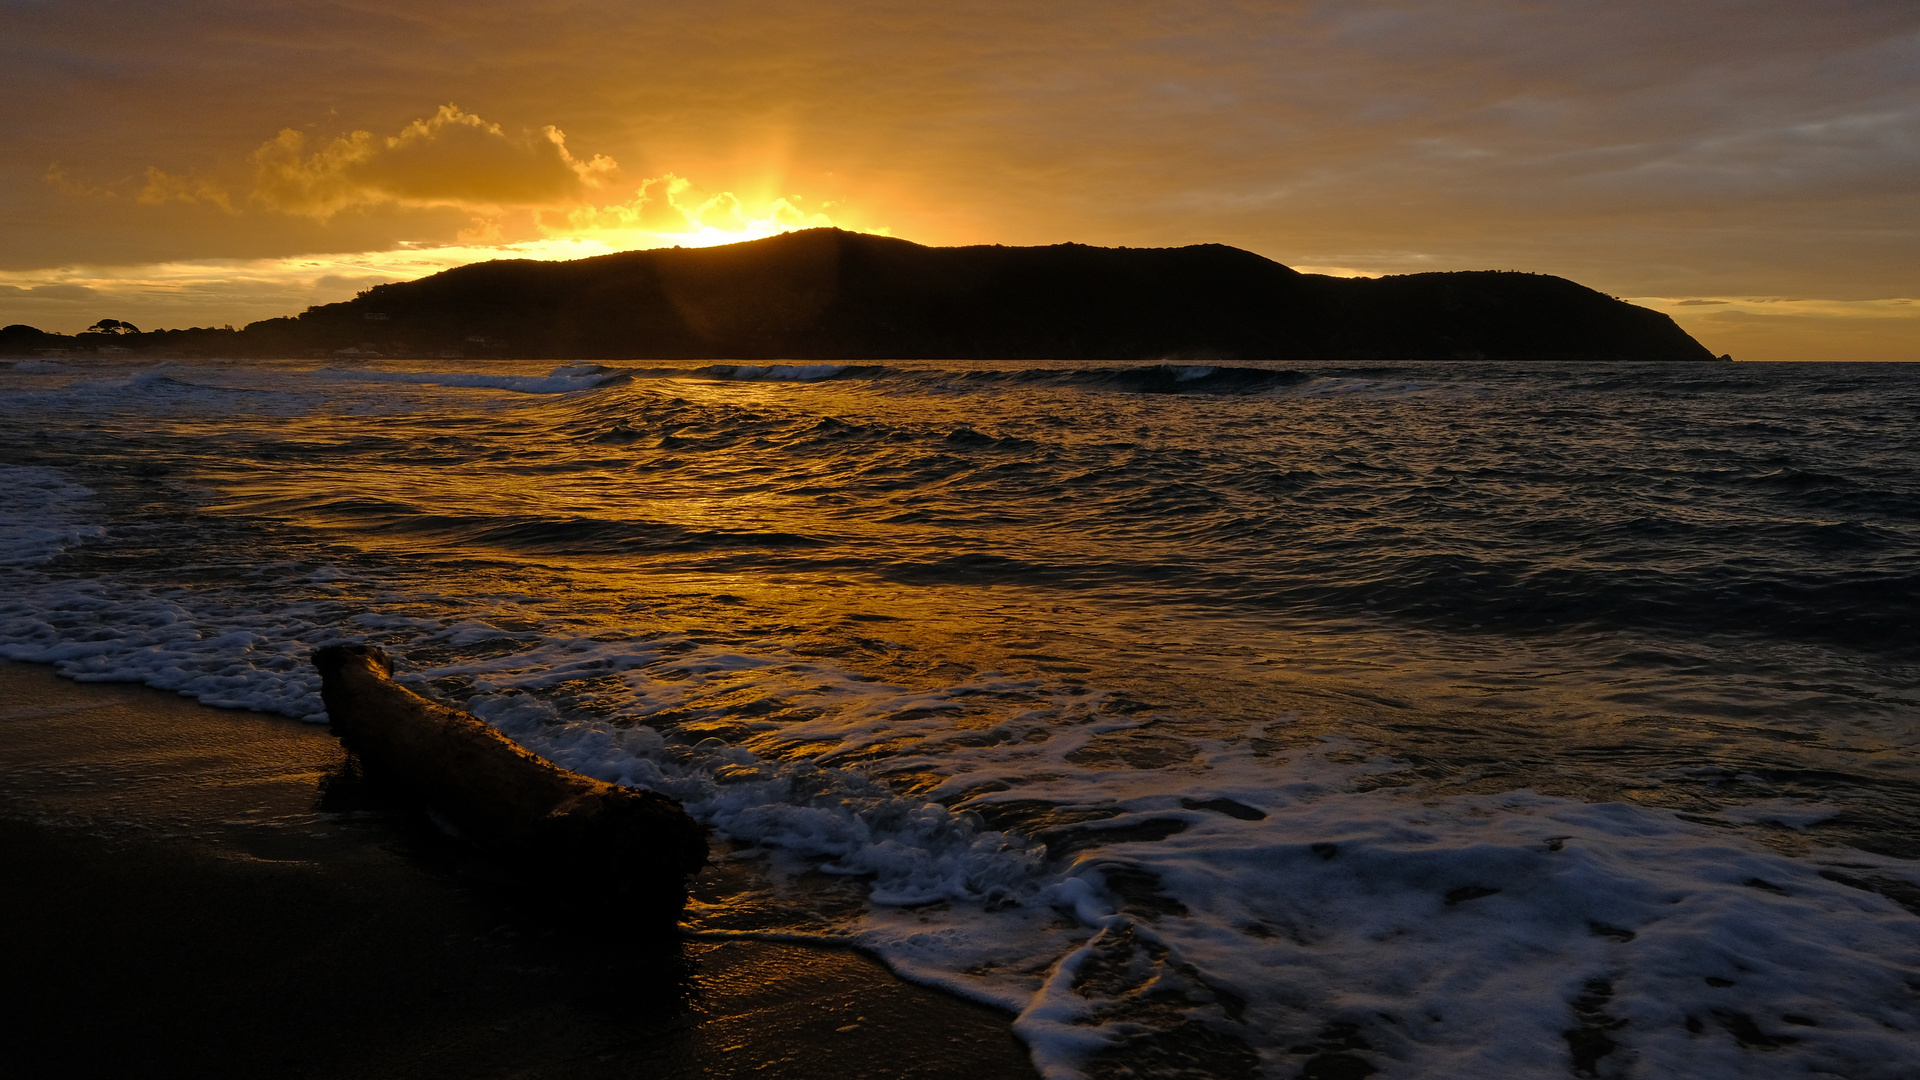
x=1745, y=165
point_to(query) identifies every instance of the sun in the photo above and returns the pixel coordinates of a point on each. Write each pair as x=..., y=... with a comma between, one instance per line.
x=667, y=211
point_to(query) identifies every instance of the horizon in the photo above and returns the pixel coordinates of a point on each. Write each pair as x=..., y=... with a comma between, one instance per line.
x=1339, y=272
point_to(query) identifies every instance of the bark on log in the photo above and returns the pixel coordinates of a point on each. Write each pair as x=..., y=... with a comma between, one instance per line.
x=624, y=844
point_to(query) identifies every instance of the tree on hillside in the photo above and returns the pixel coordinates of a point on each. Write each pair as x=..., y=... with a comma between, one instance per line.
x=111, y=326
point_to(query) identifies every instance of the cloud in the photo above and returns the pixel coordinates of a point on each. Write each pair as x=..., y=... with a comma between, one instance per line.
x=212, y=292
x=1798, y=328
x=452, y=159
x=48, y=292
x=353, y=283
x=1869, y=153
x=668, y=206
x=525, y=196
x=60, y=180
x=162, y=187
x=1739, y=147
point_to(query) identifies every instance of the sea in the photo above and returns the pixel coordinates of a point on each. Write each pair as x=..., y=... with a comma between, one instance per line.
x=1420, y=720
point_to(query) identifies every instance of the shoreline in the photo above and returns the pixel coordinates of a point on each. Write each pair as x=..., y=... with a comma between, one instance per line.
x=194, y=891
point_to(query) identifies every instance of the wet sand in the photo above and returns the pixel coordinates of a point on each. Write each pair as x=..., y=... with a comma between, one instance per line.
x=194, y=892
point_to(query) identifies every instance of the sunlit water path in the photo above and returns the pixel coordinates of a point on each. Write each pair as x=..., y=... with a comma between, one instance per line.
x=1444, y=719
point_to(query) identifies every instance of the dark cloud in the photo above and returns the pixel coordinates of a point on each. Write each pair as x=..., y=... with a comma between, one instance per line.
x=48, y=292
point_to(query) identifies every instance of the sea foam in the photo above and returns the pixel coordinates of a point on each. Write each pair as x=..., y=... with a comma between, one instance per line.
x=41, y=515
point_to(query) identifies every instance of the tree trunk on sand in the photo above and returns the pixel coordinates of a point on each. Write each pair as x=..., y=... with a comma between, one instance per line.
x=585, y=837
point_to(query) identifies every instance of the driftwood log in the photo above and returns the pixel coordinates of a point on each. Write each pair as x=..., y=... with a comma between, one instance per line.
x=626, y=845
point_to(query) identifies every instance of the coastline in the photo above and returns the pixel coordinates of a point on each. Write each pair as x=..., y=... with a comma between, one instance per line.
x=193, y=891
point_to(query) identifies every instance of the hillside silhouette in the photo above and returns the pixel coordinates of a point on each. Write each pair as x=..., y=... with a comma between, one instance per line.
x=828, y=294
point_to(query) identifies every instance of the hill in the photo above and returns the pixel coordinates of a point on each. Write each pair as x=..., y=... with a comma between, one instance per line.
x=827, y=294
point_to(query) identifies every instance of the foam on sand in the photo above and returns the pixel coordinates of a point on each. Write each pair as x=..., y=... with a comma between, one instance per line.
x=1286, y=908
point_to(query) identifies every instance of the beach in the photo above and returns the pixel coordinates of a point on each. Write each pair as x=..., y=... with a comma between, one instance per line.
x=197, y=892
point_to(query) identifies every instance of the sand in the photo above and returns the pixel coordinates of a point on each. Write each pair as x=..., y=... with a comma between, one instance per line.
x=194, y=892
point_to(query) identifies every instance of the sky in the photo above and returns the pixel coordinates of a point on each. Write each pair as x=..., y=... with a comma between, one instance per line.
x=1751, y=167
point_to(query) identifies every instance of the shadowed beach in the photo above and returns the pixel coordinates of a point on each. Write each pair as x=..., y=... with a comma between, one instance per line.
x=193, y=891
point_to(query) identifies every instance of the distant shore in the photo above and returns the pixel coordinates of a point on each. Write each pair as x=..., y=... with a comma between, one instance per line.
x=196, y=892
x=830, y=295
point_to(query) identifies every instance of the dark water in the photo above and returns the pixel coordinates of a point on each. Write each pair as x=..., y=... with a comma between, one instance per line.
x=1069, y=679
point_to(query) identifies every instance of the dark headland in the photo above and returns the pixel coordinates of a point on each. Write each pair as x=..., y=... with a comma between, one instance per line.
x=828, y=294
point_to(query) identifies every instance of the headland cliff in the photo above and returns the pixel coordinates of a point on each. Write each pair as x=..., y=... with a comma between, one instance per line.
x=828, y=294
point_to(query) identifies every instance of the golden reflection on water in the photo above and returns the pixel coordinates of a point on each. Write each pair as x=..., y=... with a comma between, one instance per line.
x=836, y=527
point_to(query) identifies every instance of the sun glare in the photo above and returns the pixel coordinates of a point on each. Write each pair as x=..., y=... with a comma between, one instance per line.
x=664, y=211
x=523, y=194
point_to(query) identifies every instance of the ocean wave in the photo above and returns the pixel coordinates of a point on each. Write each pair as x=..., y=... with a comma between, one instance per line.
x=771, y=373
x=1144, y=378
x=42, y=514
x=166, y=388
x=1135, y=378
x=1270, y=730
x=158, y=380
x=567, y=379
x=1356, y=386
x=538, y=534
x=1280, y=913
x=786, y=372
